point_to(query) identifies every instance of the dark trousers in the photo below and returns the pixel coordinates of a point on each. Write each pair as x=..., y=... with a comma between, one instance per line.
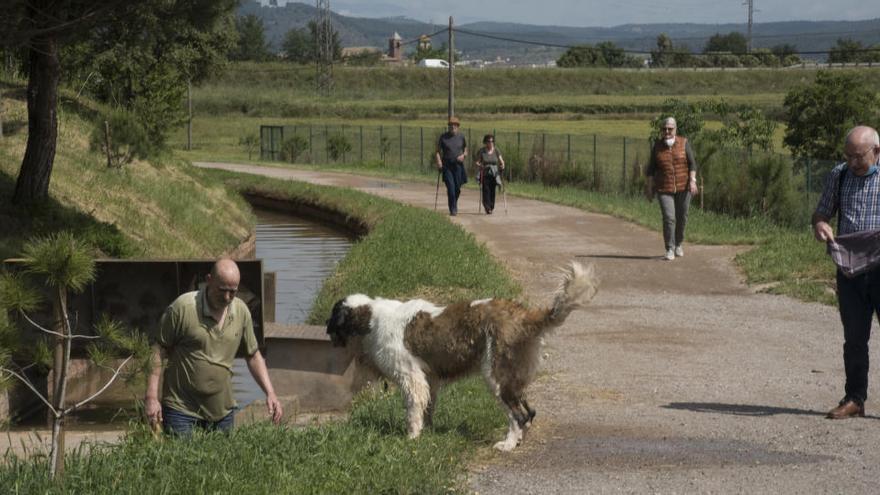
x=488, y=184
x=180, y=424
x=859, y=301
x=454, y=177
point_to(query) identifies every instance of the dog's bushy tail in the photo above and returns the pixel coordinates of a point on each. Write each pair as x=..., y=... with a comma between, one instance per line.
x=579, y=285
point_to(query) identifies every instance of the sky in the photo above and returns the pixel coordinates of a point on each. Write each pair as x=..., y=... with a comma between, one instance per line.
x=589, y=13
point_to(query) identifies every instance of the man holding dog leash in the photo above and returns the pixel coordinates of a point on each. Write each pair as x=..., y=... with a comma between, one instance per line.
x=450, y=155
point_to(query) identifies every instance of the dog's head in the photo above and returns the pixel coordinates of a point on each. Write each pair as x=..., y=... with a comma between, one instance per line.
x=350, y=317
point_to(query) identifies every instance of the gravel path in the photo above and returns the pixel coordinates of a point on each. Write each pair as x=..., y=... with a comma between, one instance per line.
x=677, y=379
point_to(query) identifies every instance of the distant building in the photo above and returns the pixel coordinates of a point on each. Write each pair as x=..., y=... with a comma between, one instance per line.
x=394, y=47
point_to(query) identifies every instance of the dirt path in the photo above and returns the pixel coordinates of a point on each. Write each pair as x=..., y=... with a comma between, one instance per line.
x=676, y=379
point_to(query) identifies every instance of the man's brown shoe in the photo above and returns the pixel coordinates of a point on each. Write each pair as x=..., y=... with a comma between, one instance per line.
x=847, y=409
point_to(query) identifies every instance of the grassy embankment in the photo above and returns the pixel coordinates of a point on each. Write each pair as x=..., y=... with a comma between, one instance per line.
x=366, y=454
x=162, y=208
x=784, y=260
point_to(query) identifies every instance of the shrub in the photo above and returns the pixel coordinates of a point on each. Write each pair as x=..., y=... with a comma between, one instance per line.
x=293, y=147
x=337, y=146
x=746, y=185
x=128, y=139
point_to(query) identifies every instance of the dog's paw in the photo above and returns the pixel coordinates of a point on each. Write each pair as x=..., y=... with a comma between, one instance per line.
x=506, y=445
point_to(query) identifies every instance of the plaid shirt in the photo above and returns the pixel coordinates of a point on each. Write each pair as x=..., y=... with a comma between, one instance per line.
x=859, y=200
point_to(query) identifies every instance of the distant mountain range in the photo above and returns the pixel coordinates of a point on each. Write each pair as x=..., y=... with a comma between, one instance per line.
x=806, y=36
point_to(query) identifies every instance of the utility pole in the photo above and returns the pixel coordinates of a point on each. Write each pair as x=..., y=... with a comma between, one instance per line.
x=751, y=5
x=451, y=109
x=324, y=52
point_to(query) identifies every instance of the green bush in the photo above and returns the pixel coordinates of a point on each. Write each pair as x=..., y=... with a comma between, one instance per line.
x=128, y=139
x=743, y=185
x=293, y=147
x=337, y=146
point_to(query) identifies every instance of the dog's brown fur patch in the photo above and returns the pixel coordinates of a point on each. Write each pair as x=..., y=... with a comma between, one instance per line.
x=452, y=343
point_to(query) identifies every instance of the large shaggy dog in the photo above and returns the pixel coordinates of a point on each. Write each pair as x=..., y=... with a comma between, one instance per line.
x=420, y=346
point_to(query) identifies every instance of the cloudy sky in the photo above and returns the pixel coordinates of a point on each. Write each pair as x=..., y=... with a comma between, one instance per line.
x=608, y=12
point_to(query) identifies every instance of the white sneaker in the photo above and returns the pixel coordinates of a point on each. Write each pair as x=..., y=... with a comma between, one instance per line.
x=679, y=251
x=670, y=255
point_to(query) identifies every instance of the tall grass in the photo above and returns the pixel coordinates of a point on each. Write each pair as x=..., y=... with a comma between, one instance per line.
x=369, y=453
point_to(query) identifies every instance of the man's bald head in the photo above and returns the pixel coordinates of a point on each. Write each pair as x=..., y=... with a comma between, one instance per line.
x=222, y=283
x=863, y=136
x=861, y=150
x=225, y=268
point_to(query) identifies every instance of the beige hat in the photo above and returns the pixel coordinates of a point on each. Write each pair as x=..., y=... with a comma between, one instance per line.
x=454, y=121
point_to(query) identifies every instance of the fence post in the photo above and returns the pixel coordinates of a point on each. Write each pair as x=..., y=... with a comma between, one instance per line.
x=382, y=143
x=569, y=149
x=326, y=138
x=623, y=180
x=518, y=152
x=595, y=166
x=345, y=141
x=422, y=146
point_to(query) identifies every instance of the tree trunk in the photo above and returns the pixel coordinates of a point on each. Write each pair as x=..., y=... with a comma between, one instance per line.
x=32, y=185
x=59, y=389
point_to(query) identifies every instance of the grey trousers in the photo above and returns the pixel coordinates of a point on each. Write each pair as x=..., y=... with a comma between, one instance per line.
x=674, y=208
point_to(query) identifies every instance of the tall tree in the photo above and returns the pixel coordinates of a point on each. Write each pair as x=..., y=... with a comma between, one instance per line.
x=144, y=62
x=301, y=47
x=43, y=28
x=251, y=39
x=668, y=55
x=820, y=114
x=848, y=50
x=732, y=42
x=40, y=27
x=604, y=54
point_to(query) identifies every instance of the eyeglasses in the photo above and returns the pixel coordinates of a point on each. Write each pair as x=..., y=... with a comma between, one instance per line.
x=668, y=129
x=857, y=156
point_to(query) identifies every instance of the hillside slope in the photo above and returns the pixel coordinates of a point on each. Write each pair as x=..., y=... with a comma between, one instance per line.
x=163, y=208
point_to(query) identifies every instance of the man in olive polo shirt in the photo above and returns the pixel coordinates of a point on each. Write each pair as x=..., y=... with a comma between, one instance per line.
x=199, y=334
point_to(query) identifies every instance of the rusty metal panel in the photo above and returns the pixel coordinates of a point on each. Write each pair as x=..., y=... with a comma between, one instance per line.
x=136, y=292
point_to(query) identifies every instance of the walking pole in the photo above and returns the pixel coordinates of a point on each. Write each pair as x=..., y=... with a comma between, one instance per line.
x=437, y=193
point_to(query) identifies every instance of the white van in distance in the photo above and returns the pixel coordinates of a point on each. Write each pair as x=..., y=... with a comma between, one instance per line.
x=433, y=62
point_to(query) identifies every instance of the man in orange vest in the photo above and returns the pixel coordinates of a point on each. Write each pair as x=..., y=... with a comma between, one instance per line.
x=674, y=179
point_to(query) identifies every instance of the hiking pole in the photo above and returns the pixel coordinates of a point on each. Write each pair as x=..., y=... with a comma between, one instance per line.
x=437, y=193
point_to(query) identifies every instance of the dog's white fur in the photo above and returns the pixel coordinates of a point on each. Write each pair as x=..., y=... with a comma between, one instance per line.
x=510, y=336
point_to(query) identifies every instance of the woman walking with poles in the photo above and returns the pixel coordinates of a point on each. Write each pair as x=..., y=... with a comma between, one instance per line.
x=490, y=166
x=451, y=152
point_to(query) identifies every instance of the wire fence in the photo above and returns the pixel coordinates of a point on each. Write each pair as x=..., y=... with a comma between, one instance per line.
x=601, y=161
x=741, y=182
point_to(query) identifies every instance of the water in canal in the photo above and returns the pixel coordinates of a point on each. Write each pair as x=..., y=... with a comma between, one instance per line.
x=302, y=254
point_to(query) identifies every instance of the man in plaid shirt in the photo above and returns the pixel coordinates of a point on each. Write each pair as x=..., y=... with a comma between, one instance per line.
x=855, y=197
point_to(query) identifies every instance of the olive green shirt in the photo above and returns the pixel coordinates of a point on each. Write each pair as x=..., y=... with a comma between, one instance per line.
x=198, y=376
